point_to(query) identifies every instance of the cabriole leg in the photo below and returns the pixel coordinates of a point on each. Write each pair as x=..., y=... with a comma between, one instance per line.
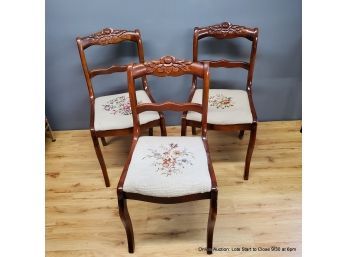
x=127, y=223
x=163, y=127
x=150, y=131
x=100, y=159
x=194, y=132
x=211, y=221
x=183, y=127
x=104, y=141
x=250, y=151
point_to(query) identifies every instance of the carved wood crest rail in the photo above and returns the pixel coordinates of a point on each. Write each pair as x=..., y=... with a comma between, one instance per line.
x=225, y=29
x=167, y=64
x=108, y=36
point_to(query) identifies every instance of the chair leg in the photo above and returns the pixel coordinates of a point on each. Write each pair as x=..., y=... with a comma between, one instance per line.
x=104, y=141
x=50, y=132
x=211, y=221
x=183, y=127
x=250, y=151
x=194, y=132
x=241, y=134
x=127, y=223
x=101, y=160
x=163, y=127
x=150, y=131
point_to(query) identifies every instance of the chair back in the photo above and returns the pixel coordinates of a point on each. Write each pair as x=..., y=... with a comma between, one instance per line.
x=168, y=66
x=227, y=30
x=107, y=36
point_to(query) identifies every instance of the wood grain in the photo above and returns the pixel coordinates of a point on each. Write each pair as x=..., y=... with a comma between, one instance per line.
x=82, y=216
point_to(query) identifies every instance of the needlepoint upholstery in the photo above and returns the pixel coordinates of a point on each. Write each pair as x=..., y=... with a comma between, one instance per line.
x=114, y=111
x=168, y=167
x=225, y=106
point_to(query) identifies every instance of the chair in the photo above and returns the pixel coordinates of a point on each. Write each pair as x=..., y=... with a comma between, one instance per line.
x=110, y=115
x=229, y=110
x=173, y=169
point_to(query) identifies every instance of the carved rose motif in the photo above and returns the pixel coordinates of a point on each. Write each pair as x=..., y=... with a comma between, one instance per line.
x=225, y=28
x=107, y=36
x=167, y=64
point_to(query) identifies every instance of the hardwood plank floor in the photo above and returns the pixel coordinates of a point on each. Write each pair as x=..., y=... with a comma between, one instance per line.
x=82, y=216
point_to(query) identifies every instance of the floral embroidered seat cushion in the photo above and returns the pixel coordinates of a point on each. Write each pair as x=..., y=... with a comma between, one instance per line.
x=168, y=167
x=114, y=111
x=226, y=106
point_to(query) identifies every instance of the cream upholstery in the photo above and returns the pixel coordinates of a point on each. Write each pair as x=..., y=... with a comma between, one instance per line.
x=168, y=167
x=114, y=112
x=226, y=106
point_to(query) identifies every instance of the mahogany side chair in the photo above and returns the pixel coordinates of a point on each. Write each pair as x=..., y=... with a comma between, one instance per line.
x=229, y=109
x=171, y=169
x=110, y=115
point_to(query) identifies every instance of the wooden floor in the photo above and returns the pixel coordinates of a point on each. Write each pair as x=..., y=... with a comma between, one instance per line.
x=82, y=216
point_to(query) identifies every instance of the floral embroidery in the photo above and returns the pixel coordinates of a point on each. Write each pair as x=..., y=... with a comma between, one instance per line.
x=170, y=159
x=220, y=101
x=119, y=105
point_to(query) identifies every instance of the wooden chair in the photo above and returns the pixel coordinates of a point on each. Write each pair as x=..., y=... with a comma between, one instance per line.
x=171, y=169
x=111, y=115
x=229, y=110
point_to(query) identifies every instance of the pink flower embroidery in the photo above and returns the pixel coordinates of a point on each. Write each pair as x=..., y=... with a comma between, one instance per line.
x=119, y=105
x=220, y=101
x=170, y=159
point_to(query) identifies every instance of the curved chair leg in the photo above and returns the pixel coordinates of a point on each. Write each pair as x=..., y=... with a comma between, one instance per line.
x=194, y=132
x=150, y=131
x=250, y=150
x=101, y=160
x=183, y=127
x=241, y=134
x=211, y=221
x=127, y=223
x=104, y=141
x=163, y=127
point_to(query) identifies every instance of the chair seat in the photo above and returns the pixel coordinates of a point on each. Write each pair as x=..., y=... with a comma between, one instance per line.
x=168, y=167
x=114, y=111
x=226, y=106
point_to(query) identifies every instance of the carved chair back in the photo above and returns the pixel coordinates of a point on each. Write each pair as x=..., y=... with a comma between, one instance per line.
x=227, y=30
x=168, y=66
x=107, y=36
